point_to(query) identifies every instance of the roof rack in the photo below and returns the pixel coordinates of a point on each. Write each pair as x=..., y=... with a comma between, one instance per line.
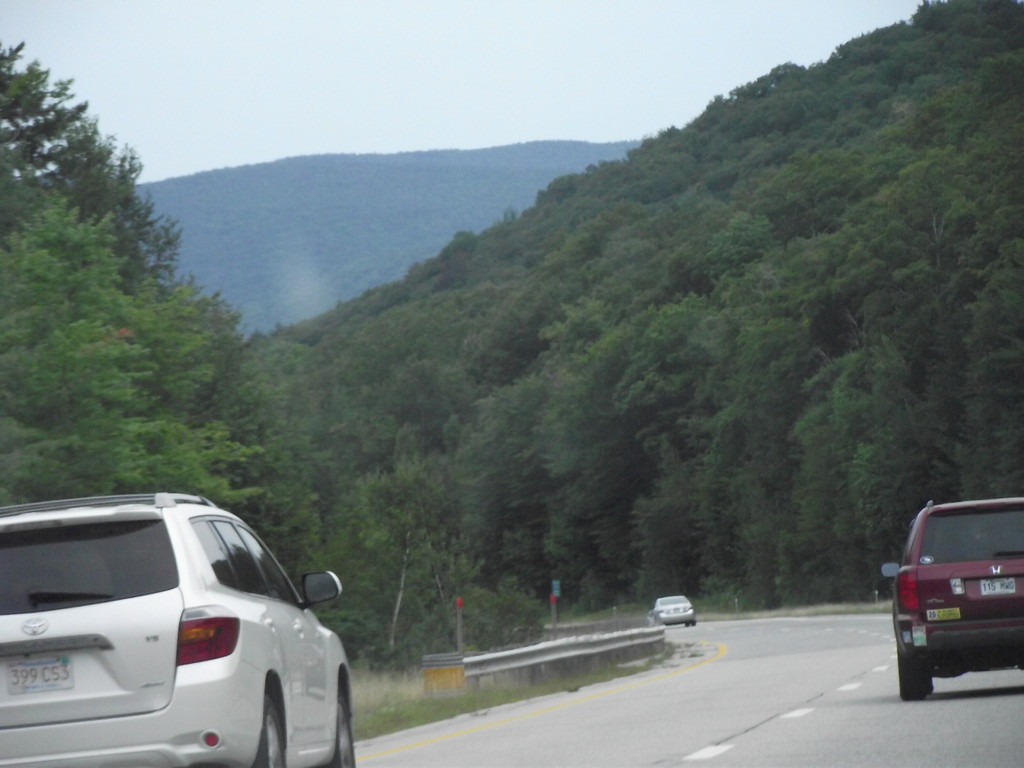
x=158, y=499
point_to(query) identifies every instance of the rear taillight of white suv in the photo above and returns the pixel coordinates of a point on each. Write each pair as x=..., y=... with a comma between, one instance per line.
x=202, y=638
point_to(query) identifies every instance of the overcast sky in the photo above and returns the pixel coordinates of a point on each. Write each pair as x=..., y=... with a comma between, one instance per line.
x=193, y=85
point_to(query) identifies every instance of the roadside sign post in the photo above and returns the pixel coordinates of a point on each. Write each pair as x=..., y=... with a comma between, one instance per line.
x=458, y=624
x=556, y=592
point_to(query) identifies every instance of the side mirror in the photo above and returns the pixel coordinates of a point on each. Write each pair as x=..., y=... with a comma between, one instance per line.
x=320, y=586
x=889, y=570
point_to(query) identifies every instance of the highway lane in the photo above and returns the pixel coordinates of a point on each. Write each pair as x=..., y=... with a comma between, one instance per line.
x=793, y=692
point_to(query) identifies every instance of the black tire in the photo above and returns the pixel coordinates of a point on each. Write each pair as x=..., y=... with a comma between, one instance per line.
x=344, y=749
x=915, y=682
x=270, y=753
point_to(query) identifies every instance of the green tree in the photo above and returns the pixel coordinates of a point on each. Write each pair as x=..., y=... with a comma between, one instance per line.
x=410, y=548
x=994, y=435
x=87, y=374
x=116, y=376
x=505, y=486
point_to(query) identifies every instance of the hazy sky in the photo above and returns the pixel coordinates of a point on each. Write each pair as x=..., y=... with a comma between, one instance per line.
x=194, y=85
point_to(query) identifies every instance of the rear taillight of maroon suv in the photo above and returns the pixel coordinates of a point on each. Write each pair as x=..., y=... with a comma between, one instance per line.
x=906, y=590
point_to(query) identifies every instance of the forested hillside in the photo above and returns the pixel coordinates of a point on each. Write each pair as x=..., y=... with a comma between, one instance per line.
x=287, y=240
x=734, y=365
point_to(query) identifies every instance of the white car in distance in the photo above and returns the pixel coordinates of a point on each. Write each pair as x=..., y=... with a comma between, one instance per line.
x=674, y=609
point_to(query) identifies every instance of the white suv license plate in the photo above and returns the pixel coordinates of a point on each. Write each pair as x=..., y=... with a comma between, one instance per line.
x=37, y=675
x=1004, y=586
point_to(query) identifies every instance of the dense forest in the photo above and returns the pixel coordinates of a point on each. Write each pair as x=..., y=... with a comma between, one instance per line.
x=734, y=364
x=287, y=240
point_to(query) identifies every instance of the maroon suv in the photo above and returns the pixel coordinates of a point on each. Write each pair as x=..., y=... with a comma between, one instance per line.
x=959, y=593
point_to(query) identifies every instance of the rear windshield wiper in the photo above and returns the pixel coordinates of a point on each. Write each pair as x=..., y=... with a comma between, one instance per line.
x=1010, y=553
x=38, y=598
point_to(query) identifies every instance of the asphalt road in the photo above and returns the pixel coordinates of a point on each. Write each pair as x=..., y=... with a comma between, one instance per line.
x=796, y=692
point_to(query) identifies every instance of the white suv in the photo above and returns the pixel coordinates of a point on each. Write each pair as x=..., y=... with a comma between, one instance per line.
x=158, y=630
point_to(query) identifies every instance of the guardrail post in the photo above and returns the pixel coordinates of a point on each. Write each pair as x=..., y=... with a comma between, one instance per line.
x=443, y=673
x=458, y=625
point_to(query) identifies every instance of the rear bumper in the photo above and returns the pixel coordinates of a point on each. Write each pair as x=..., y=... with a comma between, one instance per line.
x=677, y=618
x=952, y=649
x=965, y=639
x=170, y=737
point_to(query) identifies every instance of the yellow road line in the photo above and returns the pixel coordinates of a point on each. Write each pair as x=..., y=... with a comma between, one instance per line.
x=720, y=651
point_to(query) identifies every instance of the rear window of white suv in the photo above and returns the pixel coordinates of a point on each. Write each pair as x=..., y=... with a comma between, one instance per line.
x=70, y=565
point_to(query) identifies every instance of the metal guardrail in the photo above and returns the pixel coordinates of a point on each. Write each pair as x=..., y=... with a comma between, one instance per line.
x=543, y=661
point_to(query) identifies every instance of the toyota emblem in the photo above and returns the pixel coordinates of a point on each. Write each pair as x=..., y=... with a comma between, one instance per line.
x=35, y=626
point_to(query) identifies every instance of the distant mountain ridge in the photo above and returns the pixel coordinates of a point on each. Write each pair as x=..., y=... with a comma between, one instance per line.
x=286, y=240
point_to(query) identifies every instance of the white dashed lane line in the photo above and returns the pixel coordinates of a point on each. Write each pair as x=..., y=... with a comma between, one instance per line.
x=797, y=713
x=714, y=751
x=708, y=752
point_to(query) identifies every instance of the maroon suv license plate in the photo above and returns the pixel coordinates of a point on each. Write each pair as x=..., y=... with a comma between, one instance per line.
x=1003, y=586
